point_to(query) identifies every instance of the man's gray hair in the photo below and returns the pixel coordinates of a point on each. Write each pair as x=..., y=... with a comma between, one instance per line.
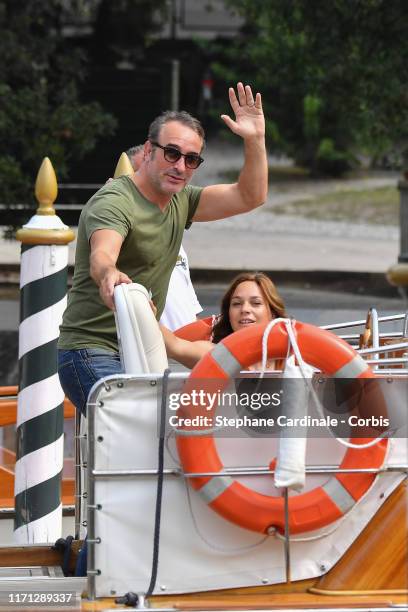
x=182, y=117
x=133, y=150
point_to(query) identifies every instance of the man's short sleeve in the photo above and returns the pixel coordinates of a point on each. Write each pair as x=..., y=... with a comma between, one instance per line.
x=194, y=194
x=109, y=210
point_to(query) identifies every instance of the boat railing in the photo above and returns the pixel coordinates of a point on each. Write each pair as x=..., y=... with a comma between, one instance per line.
x=383, y=349
x=245, y=471
x=359, y=322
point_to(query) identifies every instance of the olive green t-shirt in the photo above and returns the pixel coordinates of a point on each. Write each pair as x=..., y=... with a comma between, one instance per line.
x=152, y=240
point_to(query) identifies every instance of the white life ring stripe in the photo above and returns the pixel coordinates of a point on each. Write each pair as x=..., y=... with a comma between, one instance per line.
x=215, y=487
x=352, y=369
x=226, y=360
x=339, y=495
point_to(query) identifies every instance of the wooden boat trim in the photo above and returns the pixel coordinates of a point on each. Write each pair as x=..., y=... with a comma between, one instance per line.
x=261, y=601
x=367, y=592
x=384, y=534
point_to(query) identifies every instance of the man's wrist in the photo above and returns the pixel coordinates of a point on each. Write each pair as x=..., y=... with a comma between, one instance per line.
x=257, y=140
x=103, y=273
x=109, y=269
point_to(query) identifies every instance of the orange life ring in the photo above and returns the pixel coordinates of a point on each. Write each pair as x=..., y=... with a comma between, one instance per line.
x=240, y=504
x=197, y=330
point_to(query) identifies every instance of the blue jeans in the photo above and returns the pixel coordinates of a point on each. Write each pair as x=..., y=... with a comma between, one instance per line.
x=79, y=370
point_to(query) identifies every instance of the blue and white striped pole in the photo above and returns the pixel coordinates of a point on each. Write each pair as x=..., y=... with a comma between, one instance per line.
x=40, y=412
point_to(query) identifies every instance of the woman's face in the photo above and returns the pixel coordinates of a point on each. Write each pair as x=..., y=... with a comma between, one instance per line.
x=248, y=306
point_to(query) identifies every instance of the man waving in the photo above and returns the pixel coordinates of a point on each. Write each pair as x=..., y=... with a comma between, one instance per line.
x=131, y=231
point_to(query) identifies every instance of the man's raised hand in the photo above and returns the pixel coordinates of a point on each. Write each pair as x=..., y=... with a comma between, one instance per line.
x=249, y=118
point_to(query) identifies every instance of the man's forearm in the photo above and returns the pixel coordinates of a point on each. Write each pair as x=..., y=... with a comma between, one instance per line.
x=253, y=179
x=100, y=264
x=106, y=276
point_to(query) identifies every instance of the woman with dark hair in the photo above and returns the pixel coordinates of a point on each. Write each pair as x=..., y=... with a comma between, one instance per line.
x=251, y=299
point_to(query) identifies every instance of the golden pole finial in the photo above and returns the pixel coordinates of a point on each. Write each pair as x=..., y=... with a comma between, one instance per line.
x=123, y=166
x=46, y=188
x=45, y=227
x=397, y=275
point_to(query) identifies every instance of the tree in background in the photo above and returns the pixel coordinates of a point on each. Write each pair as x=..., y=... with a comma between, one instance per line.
x=333, y=75
x=40, y=109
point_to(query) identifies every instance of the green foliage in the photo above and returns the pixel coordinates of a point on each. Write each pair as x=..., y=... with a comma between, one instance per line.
x=333, y=161
x=311, y=120
x=333, y=75
x=41, y=113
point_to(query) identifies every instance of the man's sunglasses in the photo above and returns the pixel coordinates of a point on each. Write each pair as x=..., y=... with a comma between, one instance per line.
x=172, y=155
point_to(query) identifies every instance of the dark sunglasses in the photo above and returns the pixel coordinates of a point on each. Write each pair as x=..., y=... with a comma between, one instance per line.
x=172, y=155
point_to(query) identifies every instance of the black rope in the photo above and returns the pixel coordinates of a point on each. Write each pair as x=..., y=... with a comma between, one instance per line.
x=156, y=538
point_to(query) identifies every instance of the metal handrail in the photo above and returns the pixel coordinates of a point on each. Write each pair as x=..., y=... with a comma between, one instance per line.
x=381, y=335
x=384, y=349
x=245, y=471
x=397, y=317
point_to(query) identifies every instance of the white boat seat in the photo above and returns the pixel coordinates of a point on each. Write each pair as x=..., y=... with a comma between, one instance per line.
x=141, y=343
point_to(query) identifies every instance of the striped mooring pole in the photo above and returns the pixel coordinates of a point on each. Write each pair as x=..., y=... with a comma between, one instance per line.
x=40, y=414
